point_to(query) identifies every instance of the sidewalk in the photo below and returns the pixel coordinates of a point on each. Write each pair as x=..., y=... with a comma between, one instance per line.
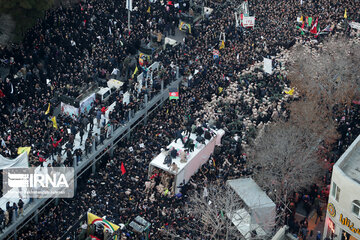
x=312, y=227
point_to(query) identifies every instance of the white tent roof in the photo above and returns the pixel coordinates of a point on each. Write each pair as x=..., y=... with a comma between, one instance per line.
x=251, y=193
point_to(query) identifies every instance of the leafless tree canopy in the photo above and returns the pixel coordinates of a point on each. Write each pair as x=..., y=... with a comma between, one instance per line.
x=211, y=217
x=328, y=74
x=285, y=160
x=317, y=119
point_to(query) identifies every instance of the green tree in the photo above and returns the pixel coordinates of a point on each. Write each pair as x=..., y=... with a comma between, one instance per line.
x=24, y=12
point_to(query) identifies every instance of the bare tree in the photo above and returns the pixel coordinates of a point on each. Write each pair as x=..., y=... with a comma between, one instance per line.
x=316, y=119
x=284, y=160
x=213, y=216
x=328, y=74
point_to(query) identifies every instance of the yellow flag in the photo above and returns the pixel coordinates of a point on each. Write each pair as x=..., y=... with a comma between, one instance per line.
x=23, y=149
x=345, y=14
x=93, y=219
x=135, y=71
x=290, y=92
x=148, y=11
x=222, y=45
x=301, y=19
x=220, y=90
x=53, y=119
x=48, y=110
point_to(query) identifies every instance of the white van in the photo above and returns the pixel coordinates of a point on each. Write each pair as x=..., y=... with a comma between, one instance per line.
x=103, y=94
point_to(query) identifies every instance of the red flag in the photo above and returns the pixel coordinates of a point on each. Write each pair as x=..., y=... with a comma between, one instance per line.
x=1, y=94
x=123, y=171
x=314, y=27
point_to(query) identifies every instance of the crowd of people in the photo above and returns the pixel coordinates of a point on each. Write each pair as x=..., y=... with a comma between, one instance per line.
x=78, y=45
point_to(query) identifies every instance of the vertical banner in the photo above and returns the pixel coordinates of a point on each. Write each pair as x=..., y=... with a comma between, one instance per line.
x=268, y=65
x=129, y=5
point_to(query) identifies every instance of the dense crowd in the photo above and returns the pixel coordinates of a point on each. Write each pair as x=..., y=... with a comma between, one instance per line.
x=82, y=44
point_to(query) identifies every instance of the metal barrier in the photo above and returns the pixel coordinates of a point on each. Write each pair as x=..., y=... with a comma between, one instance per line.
x=34, y=208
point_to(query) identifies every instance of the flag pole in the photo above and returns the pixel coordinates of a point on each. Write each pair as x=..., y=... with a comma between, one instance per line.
x=129, y=19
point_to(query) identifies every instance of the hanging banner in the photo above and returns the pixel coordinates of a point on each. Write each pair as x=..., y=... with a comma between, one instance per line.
x=22, y=161
x=248, y=21
x=102, y=224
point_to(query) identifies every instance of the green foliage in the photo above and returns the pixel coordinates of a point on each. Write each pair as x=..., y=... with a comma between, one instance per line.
x=24, y=12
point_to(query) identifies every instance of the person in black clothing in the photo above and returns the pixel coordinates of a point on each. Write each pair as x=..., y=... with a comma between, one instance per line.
x=81, y=132
x=2, y=219
x=21, y=207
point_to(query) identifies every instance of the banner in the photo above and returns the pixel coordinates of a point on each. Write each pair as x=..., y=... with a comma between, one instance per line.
x=102, y=224
x=143, y=57
x=22, y=161
x=268, y=65
x=23, y=149
x=245, y=8
x=129, y=5
x=87, y=103
x=183, y=26
x=68, y=109
x=355, y=25
x=216, y=53
x=248, y=21
x=126, y=97
x=173, y=93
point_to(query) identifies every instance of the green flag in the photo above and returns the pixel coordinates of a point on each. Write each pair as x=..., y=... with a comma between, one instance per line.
x=309, y=21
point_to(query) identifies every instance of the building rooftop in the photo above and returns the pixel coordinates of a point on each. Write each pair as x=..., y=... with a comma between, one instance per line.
x=349, y=162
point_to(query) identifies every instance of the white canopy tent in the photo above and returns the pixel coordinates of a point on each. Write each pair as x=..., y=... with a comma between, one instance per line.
x=260, y=208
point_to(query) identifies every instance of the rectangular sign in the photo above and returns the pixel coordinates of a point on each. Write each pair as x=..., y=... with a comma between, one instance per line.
x=87, y=104
x=40, y=182
x=68, y=109
x=268, y=65
x=248, y=21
